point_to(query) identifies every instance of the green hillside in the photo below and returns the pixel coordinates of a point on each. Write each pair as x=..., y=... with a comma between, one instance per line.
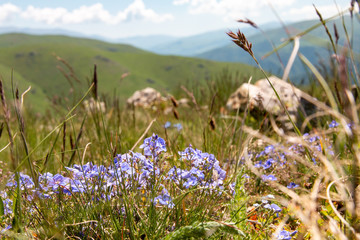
x=19, y=82
x=34, y=59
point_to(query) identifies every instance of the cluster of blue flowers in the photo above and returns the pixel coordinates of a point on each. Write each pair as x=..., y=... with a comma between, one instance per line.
x=204, y=170
x=131, y=172
x=276, y=157
x=286, y=235
x=168, y=125
x=272, y=158
x=267, y=204
x=269, y=158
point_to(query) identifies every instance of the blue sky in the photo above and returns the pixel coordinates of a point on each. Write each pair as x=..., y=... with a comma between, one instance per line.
x=125, y=18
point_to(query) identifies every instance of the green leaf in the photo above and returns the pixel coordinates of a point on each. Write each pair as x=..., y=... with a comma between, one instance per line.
x=203, y=230
x=2, y=211
x=16, y=221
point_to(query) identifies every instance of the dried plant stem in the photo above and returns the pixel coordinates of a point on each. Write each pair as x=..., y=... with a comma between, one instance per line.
x=292, y=58
x=143, y=135
x=334, y=208
x=83, y=157
x=7, y=145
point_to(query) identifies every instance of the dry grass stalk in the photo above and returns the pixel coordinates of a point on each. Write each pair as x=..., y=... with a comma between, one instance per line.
x=326, y=28
x=72, y=72
x=6, y=113
x=95, y=82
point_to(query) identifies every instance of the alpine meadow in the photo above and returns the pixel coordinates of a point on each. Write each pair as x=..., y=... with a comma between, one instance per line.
x=253, y=137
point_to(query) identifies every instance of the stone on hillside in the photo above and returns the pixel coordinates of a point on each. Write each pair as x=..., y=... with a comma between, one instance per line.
x=261, y=98
x=145, y=98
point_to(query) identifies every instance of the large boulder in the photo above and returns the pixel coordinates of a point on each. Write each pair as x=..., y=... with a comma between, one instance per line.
x=260, y=98
x=146, y=98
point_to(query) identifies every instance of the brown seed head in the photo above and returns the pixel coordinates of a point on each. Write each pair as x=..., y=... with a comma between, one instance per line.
x=212, y=124
x=174, y=102
x=240, y=40
x=248, y=21
x=336, y=34
x=176, y=114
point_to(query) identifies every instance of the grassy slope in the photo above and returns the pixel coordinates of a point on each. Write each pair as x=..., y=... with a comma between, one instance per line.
x=34, y=57
x=9, y=76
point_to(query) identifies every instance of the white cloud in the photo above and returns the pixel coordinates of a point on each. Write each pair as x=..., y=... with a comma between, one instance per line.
x=180, y=2
x=8, y=11
x=308, y=12
x=233, y=9
x=138, y=10
x=93, y=13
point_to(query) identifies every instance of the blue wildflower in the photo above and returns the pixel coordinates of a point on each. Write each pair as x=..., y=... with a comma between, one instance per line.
x=25, y=182
x=178, y=126
x=267, y=164
x=285, y=235
x=7, y=227
x=8, y=203
x=191, y=181
x=232, y=188
x=269, y=149
x=268, y=177
x=167, y=125
x=292, y=185
x=164, y=199
x=153, y=146
x=333, y=124
x=58, y=181
x=258, y=164
x=273, y=207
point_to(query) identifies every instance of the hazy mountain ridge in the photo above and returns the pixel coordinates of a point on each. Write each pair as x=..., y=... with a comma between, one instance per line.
x=315, y=46
x=161, y=44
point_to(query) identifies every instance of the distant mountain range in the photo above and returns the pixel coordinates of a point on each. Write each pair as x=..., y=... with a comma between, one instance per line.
x=315, y=46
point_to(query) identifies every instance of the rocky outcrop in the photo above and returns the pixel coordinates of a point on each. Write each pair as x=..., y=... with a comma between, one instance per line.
x=260, y=97
x=146, y=98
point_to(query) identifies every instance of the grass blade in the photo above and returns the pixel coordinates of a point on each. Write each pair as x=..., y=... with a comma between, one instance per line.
x=322, y=82
x=2, y=210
